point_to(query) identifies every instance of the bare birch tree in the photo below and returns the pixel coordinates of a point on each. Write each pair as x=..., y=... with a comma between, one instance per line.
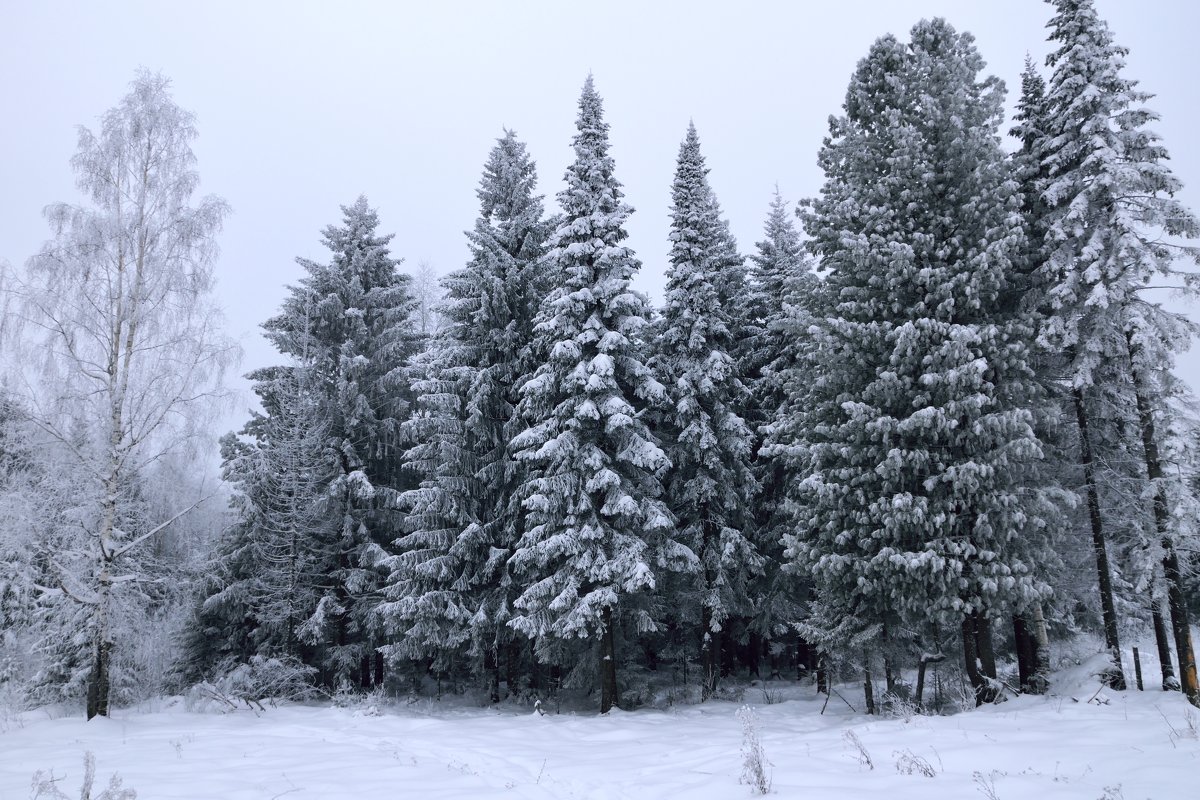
x=117, y=306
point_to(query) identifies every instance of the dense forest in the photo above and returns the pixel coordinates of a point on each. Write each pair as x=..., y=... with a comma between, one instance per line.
x=928, y=428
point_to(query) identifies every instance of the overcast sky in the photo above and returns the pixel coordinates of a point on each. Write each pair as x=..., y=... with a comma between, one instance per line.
x=302, y=106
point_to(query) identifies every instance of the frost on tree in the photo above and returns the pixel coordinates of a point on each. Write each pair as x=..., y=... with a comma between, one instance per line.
x=709, y=488
x=781, y=294
x=327, y=510
x=119, y=305
x=597, y=536
x=349, y=323
x=1109, y=198
x=921, y=508
x=449, y=593
x=271, y=566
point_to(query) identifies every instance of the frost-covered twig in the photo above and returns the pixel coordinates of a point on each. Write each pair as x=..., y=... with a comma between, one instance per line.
x=754, y=758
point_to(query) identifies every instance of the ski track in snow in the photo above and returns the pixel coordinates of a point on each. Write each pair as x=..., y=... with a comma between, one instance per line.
x=1049, y=748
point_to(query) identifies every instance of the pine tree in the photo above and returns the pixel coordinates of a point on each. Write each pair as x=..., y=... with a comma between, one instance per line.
x=449, y=590
x=597, y=534
x=349, y=326
x=921, y=507
x=1110, y=196
x=710, y=488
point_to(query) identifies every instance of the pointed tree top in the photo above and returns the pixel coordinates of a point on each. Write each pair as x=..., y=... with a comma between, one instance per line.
x=591, y=109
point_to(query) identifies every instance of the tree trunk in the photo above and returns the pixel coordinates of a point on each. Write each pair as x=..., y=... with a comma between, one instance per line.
x=728, y=649
x=492, y=665
x=823, y=672
x=868, y=684
x=98, y=681
x=922, y=669
x=1040, y=682
x=512, y=667
x=1176, y=600
x=608, y=663
x=754, y=655
x=1023, y=644
x=1114, y=677
x=1169, y=681
x=709, y=643
x=979, y=658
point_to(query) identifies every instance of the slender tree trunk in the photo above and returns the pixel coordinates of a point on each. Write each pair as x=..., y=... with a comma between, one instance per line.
x=971, y=657
x=754, y=656
x=922, y=669
x=709, y=642
x=98, y=681
x=1040, y=681
x=512, y=667
x=1169, y=681
x=728, y=649
x=1023, y=644
x=1114, y=677
x=987, y=655
x=608, y=663
x=823, y=672
x=868, y=683
x=889, y=675
x=494, y=655
x=979, y=657
x=1176, y=600
x=1029, y=631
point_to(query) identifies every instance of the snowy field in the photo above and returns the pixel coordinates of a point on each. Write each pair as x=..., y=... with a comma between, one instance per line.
x=1136, y=745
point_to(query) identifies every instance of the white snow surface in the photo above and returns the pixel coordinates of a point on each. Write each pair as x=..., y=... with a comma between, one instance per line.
x=1137, y=745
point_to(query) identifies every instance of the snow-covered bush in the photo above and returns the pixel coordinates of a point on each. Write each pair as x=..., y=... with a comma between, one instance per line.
x=45, y=785
x=248, y=684
x=754, y=758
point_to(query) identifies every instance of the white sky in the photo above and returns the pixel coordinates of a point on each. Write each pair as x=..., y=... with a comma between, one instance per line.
x=302, y=106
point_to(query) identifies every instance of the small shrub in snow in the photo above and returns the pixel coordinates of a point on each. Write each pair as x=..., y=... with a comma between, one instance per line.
x=909, y=763
x=985, y=784
x=860, y=752
x=247, y=685
x=45, y=785
x=754, y=758
x=899, y=705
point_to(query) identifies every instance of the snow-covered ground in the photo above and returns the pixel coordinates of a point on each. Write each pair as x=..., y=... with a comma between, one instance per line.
x=1136, y=745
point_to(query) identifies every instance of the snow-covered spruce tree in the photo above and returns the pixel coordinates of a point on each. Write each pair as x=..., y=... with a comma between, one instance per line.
x=449, y=592
x=781, y=293
x=921, y=506
x=348, y=323
x=597, y=533
x=1023, y=293
x=126, y=353
x=709, y=488
x=29, y=499
x=272, y=565
x=1109, y=194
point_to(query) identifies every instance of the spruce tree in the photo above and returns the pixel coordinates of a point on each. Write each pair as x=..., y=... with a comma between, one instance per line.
x=781, y=294
x=920, y=507
x=710, y=488
x=1110, y=196
x=598, y=536
x=272, y=564
x=449, y=592
x=349, y=325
